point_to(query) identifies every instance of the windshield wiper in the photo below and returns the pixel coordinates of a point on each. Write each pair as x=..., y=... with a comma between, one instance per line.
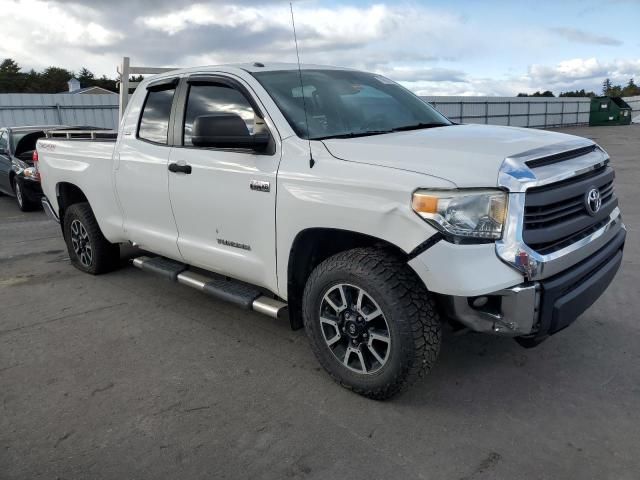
x=418, y=126
x=354, y=134
x=404, y=128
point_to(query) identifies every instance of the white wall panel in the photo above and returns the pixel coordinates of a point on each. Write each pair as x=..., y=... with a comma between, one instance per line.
x=515, y=111
x=18, y=109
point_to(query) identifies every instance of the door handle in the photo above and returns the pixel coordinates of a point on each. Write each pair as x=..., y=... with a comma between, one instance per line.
x=177, y=168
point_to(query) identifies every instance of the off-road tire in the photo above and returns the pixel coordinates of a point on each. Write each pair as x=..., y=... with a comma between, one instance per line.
x=105, y=255
x=409, y=309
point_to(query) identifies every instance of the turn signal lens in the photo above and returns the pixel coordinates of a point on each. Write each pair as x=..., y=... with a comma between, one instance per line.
x=424, y=203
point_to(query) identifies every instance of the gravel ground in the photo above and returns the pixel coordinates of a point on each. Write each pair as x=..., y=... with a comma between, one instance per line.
x=128, y=376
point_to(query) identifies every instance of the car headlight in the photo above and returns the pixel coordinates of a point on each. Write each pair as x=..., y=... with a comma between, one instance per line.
x=463, y=214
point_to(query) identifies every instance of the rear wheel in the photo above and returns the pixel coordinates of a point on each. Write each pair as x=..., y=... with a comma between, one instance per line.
x=89, y=250
x=372, y=324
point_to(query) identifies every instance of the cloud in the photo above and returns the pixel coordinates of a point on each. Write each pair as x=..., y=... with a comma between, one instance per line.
x=580, y=36
x=180, y=33
x=582, y=70
x=420, y=74
x=571, y=74
x=432, y=50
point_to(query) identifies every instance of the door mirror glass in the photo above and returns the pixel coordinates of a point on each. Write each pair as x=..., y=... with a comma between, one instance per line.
x=226, y=130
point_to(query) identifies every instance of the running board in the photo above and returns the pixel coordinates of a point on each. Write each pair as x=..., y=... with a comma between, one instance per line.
x=241, y=294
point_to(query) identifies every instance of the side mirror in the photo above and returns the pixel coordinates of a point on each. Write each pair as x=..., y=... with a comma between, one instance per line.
x=226, y=130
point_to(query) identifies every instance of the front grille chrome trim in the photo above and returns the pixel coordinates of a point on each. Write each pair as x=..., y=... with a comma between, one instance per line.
x=543, y=266
x=517, y=177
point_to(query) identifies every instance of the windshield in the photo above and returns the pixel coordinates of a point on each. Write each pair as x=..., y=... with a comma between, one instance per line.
x=344, y=103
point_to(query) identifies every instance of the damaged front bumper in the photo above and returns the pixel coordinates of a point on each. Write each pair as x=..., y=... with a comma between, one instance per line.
x=535, y=310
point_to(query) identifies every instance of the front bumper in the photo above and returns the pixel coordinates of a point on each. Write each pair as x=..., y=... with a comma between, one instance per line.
x=535, y=310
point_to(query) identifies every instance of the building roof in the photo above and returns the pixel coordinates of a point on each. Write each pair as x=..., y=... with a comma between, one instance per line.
x=93, y=90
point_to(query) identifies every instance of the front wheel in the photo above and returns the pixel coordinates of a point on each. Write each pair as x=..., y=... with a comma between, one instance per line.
x=372, y=324
x=89, y=250
x=24, y=204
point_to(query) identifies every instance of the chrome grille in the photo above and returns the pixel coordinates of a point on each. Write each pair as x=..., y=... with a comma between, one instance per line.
x=556, y=215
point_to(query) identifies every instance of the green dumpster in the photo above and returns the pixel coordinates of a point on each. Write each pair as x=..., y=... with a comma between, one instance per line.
x=609, y=111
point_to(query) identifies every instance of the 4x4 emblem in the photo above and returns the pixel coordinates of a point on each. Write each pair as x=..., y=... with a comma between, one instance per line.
x=593, y=201
x=260, y=186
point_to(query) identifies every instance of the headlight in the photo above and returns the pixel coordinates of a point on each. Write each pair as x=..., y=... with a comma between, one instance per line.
x=463, y=214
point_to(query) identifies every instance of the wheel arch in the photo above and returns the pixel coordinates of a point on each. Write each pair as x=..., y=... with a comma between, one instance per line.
x=68, y=194
x=314, y=245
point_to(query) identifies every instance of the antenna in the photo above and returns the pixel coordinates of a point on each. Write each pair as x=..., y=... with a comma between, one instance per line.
x=304, y=102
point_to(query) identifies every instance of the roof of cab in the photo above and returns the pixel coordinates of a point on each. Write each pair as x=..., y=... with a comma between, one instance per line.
x=271, y=67
x=247, y=67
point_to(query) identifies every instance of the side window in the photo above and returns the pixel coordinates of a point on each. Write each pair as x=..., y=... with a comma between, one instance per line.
x=4, y=144
x=154, y=122
x=210, y=98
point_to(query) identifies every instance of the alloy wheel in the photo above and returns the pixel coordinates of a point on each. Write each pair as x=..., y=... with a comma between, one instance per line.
x=355, y=329
x=18, y=191
x=81, y=243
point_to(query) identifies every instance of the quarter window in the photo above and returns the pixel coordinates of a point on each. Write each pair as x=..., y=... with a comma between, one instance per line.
x=154, y=122
x=212, y=98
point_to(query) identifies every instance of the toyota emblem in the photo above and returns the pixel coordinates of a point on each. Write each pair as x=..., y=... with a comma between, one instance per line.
x=593, y=201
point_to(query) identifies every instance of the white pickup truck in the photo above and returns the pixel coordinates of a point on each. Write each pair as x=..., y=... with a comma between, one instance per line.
x=344, y=199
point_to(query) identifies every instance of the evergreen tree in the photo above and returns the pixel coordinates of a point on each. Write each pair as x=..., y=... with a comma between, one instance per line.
x=577, y=93
x=631, y=89
x=85, y=77
x=54, y=80
x=11, y=80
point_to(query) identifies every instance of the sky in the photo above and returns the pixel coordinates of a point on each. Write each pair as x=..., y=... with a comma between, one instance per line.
x=453, y=47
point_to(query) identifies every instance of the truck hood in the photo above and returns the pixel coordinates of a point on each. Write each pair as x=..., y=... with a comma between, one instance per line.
x=467, y=155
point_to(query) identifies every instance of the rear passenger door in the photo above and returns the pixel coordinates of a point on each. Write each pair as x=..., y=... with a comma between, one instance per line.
x=141, y=172
x=225, y=206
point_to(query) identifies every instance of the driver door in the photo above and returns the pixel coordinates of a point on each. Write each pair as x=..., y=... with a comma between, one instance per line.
x=224, y=204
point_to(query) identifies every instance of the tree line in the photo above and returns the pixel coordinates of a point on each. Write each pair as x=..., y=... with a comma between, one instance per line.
x=608, y=90
x=49, y=80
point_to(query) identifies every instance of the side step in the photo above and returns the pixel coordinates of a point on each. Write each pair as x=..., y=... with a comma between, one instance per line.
x=241, y=294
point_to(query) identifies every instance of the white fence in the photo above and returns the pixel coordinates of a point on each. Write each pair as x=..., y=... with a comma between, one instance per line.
x=537, y=112
x=17, y=109
x=102, y=110
x=634, y=103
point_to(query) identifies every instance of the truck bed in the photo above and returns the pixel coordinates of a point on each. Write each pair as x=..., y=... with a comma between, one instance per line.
x=83, y=159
